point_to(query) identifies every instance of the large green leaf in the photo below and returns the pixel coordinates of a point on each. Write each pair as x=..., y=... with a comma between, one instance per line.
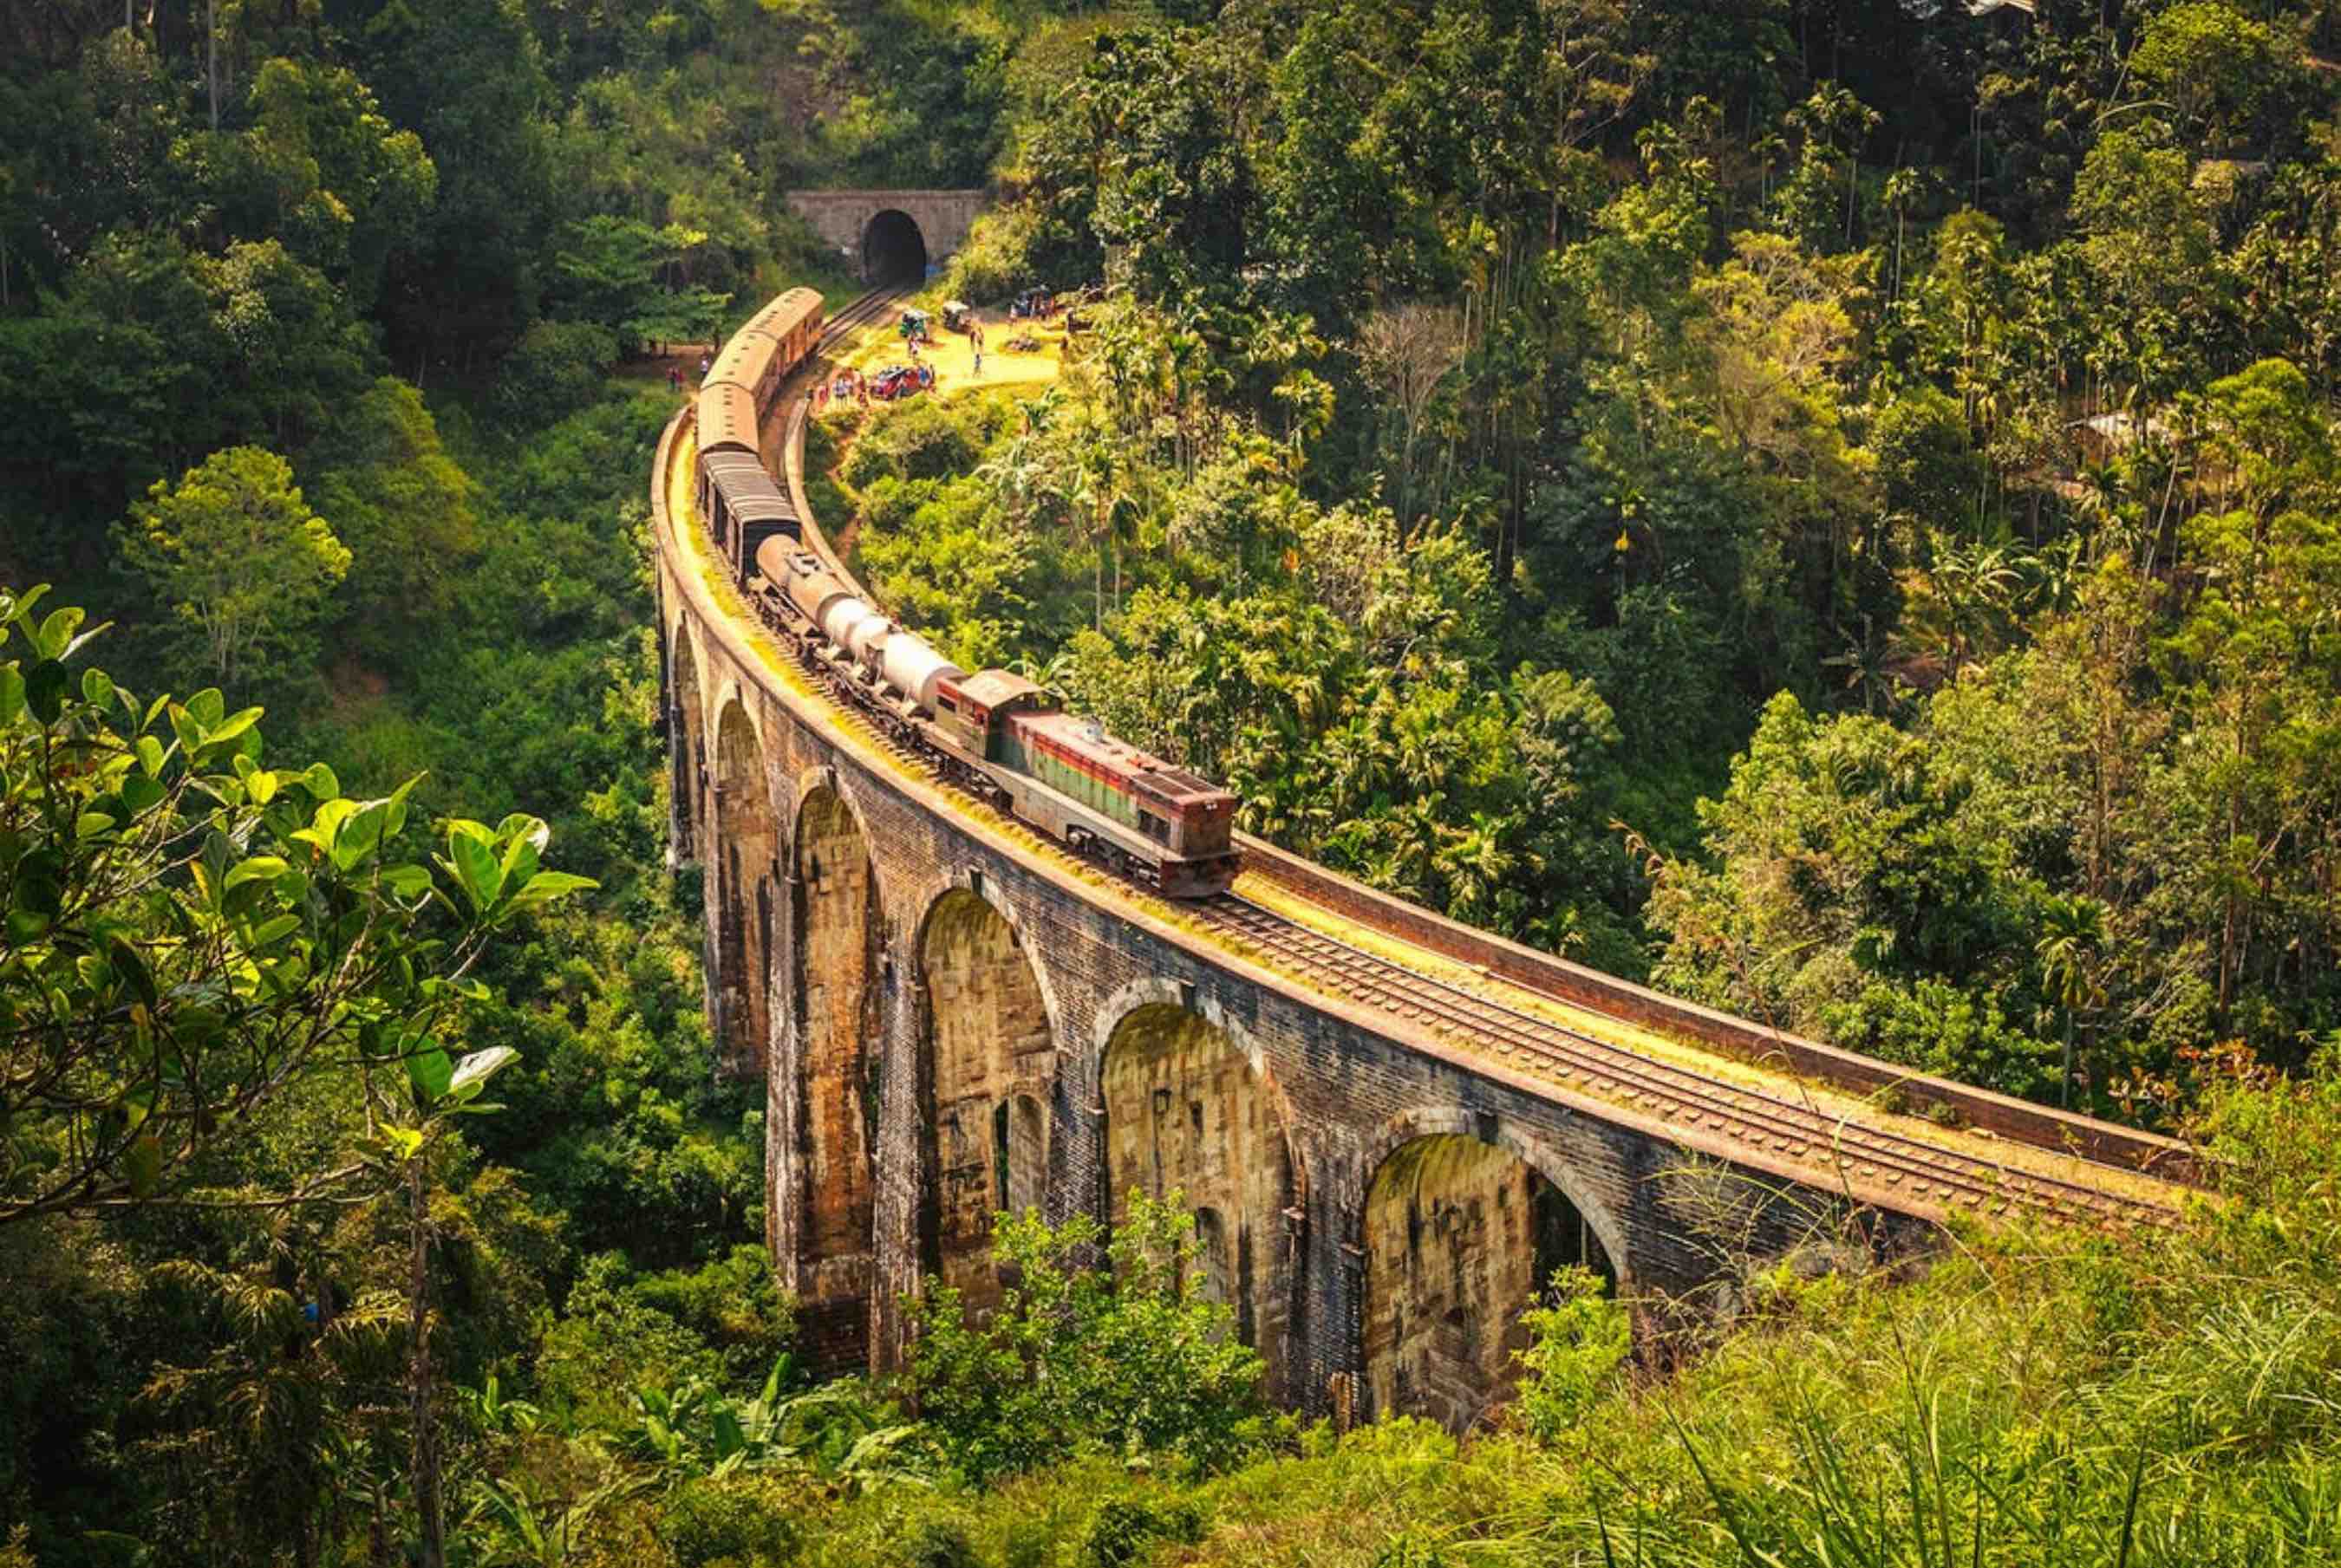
x=143, y=1164
x=430, y=1071
x=408, y=881
x=260, y=866
x=142, y=794
x=729, y=1439
x=55, y=633
x=475, y=869
x=546, y=886
x=44, y=690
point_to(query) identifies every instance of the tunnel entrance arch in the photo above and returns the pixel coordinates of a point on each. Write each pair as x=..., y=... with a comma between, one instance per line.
x=1186, y=1111
x=838, y=932
x=987, y=1077
x=746, y=837
x=893, y=248
x=1461, y=1235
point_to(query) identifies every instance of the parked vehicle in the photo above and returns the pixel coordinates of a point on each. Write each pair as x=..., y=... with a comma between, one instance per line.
x=898, y=381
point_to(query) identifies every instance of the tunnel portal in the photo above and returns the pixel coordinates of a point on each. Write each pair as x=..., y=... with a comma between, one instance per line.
x=893, y=250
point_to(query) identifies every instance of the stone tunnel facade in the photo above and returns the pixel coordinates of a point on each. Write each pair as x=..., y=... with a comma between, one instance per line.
x=854, y=221
x=948, y=1027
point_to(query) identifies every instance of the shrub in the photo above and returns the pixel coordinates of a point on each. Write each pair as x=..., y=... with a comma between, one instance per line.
x=996, y=261
x=1127, y=1527
x=938, y=1544
x=745, y=1517
x=1578, y=1339
x=1125, y=1360
x=923, y=439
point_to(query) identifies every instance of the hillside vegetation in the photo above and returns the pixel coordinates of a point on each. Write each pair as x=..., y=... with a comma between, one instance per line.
x=1826, y=507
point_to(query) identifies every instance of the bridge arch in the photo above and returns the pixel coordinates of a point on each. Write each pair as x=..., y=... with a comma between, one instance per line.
x=1190, y=1106
x=686, y=754
x=838, y=927
x=893, y=248
x=744, y=835
x=1465, y=1218
x=987, y=1069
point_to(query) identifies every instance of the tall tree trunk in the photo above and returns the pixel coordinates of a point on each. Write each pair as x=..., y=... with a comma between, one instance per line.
x=426, y=1440
x=210, y=59
x=2065, y=1083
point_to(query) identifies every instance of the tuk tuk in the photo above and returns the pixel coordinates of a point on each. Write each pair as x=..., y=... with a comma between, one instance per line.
x=956, y=315
x=914, y=327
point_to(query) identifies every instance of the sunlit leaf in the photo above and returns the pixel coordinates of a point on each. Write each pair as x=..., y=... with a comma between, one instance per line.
x=474, y=1072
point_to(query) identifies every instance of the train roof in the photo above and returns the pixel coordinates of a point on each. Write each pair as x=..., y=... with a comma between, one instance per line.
x=749, y=491
x=745, y=359
x=994, y=687
x=727, y=417
x=787, y=311
x=1148, y=774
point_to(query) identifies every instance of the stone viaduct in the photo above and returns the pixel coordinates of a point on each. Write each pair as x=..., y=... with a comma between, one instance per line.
x=951, y=1018
x=890, y=232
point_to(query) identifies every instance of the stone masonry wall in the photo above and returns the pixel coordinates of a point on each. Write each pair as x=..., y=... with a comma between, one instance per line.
x=1347, y=1095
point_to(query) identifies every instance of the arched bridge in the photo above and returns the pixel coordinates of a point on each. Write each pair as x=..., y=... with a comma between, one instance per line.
x=1390, y=1128
x=890, y=233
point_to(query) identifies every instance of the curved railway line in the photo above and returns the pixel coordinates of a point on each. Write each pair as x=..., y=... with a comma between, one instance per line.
x=1833, y=1145
x=1790, y=1129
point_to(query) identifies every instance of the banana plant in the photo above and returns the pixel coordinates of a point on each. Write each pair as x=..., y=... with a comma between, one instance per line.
x=509, y=1526
x=833, y=1432
x=492, y=1412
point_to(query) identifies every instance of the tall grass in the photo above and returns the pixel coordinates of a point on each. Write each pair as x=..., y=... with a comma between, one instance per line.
x=2029, y=1400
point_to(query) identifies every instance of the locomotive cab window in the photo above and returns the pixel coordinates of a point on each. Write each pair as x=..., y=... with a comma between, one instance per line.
x=1155, y=826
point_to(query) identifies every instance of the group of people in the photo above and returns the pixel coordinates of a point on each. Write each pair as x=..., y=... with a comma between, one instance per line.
x=849, y=384
x=674, y=373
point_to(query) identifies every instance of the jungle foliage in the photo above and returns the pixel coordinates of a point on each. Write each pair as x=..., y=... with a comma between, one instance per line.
x=1826, y=506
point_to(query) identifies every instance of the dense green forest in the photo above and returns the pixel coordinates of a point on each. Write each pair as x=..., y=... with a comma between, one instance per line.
x=1826, y=506
x=1909, y=432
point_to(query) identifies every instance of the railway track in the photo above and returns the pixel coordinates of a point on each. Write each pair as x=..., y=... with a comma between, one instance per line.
x=1862, y=1154
x=1860, y=1157
x=859, y=313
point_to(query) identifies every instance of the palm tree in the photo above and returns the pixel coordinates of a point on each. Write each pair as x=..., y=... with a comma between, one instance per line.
x=2073, y=933
x=259, y=1432
x=1903, y=189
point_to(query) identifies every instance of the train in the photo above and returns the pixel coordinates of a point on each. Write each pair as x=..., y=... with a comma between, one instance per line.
x=1002, y=737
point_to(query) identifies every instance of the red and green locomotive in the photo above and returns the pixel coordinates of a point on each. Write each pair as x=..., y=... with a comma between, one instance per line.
x=1006, y=737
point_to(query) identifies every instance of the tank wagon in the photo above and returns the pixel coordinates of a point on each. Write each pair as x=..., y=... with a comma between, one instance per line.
x=998, y=735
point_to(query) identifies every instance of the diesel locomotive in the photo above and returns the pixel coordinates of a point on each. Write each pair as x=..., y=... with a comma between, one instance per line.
x=995, y=734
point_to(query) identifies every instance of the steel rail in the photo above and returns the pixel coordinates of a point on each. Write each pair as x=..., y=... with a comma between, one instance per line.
x=1862, y=1151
